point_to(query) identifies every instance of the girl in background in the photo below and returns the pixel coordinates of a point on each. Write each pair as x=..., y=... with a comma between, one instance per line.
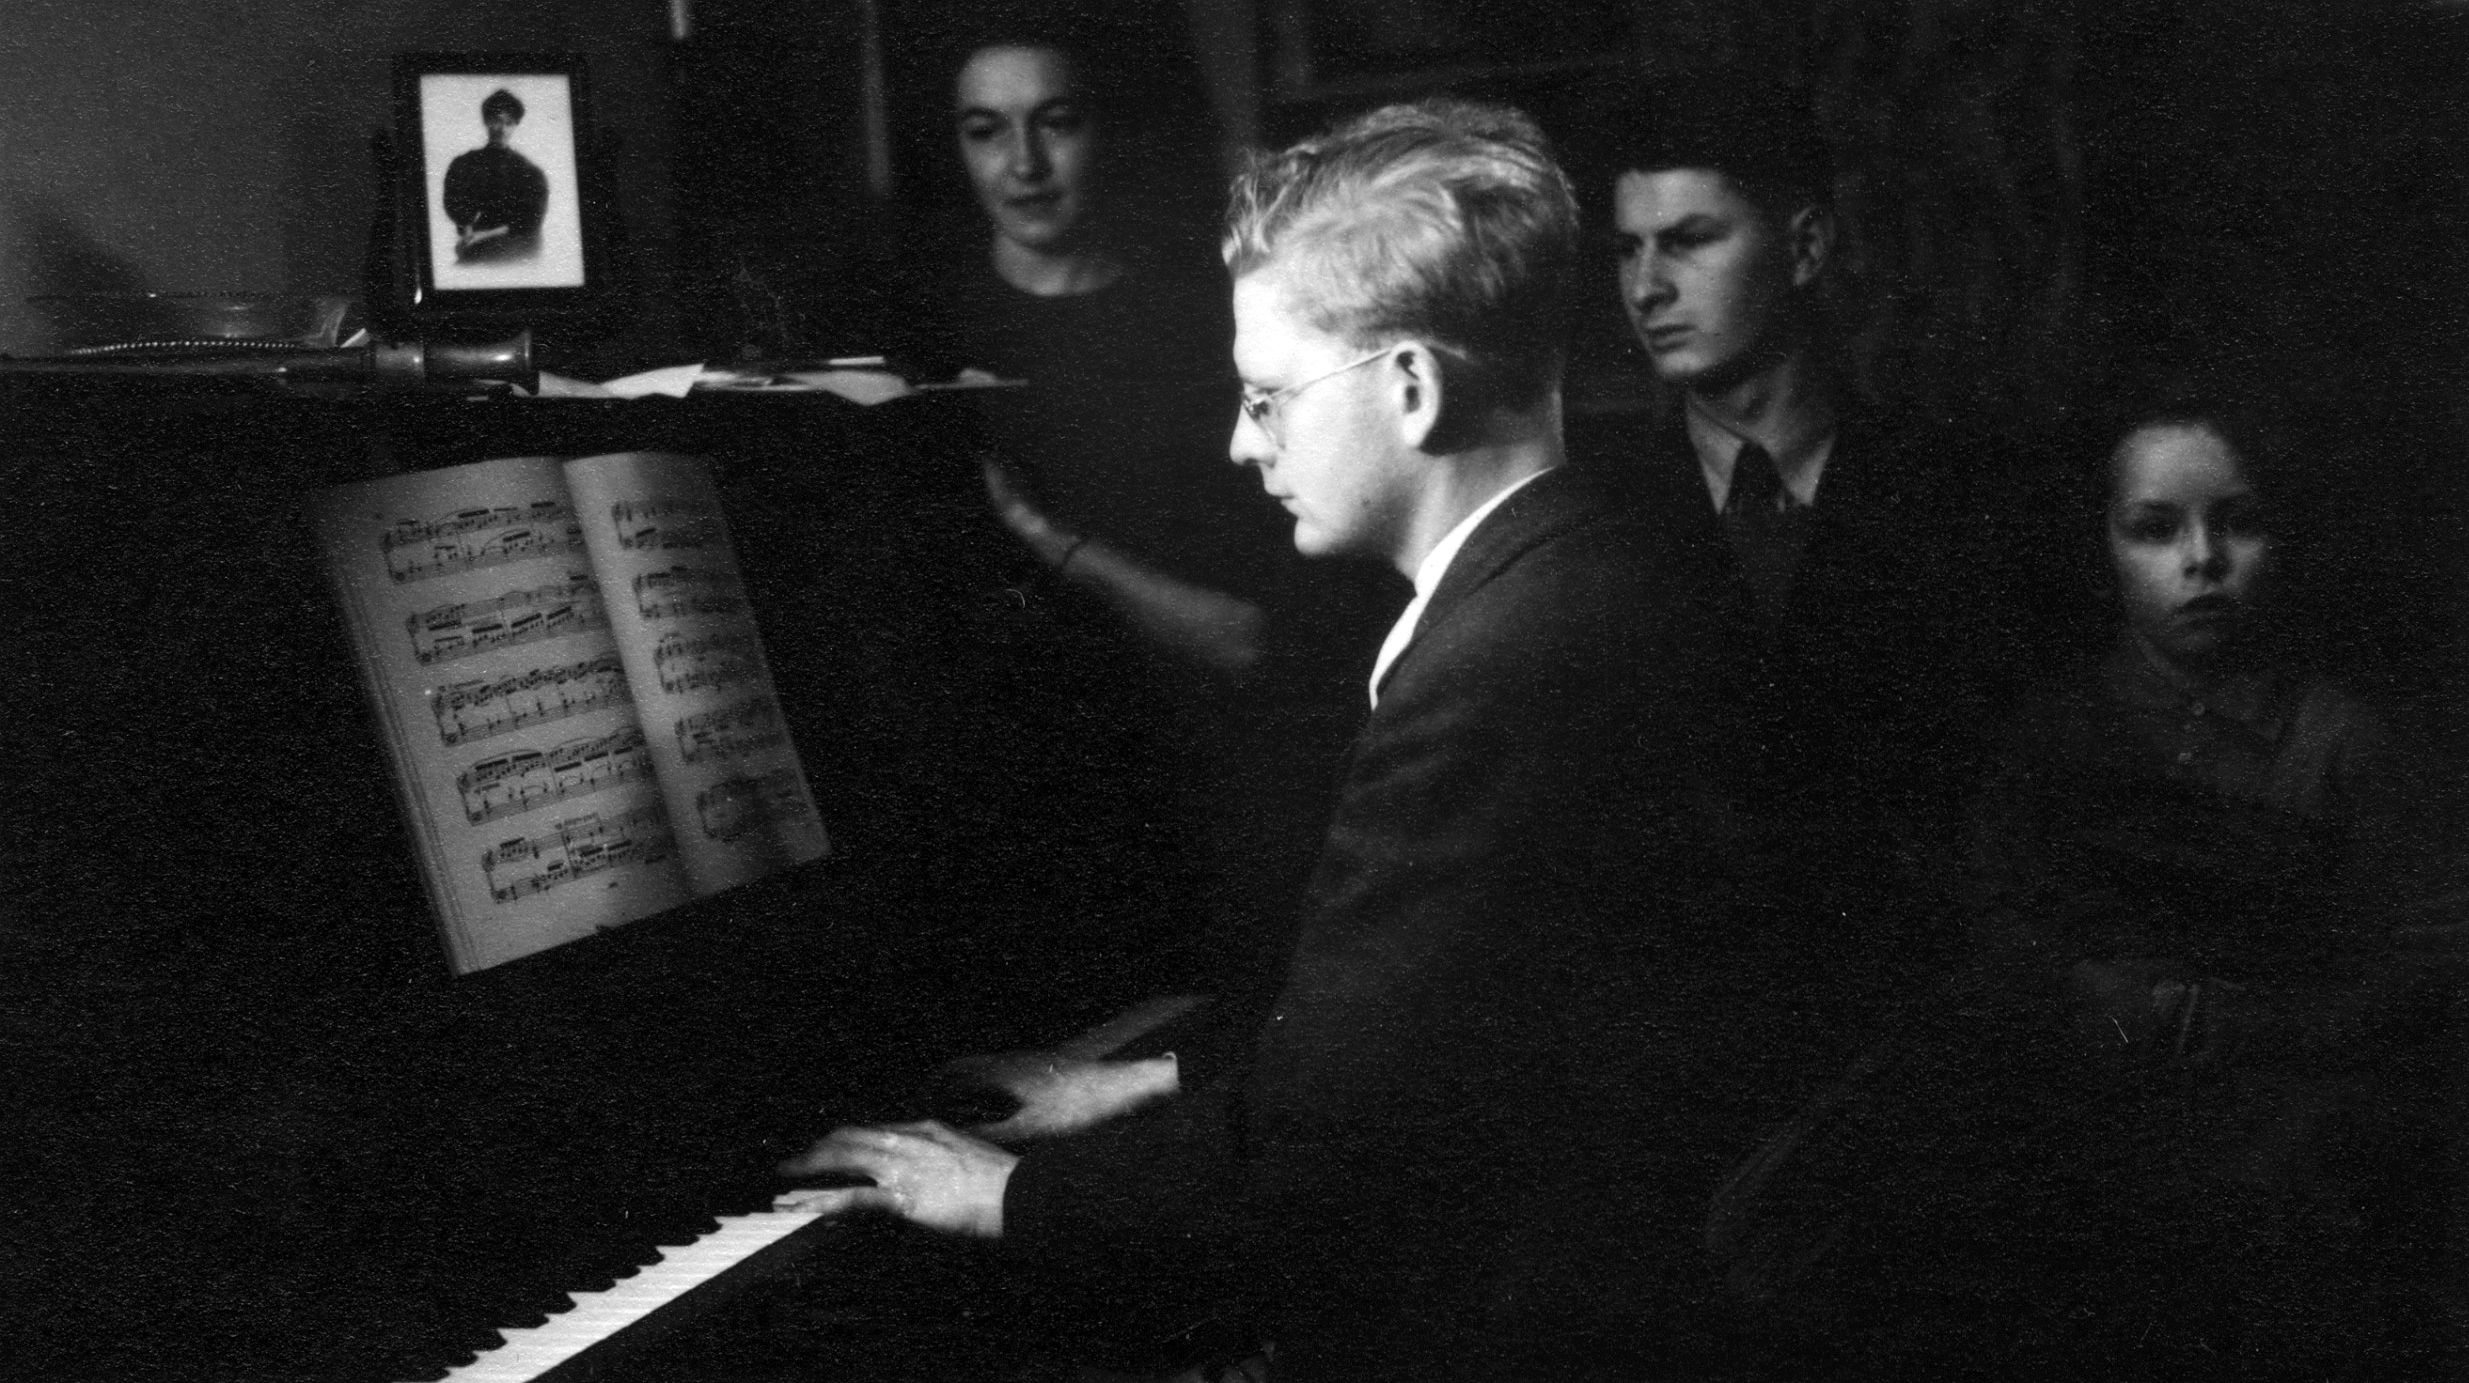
x=2195, y=855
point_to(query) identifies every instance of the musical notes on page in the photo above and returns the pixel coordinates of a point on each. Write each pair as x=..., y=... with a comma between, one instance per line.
x=487, y=707
x=576, y=849
x=473, y=539
x=485, y=634
x=572, y=689
x=525, y=780
x=570, y=605
x=683, y=591
x=665, y=523
x=707, y=662
x=719, y=735
x=731, y=732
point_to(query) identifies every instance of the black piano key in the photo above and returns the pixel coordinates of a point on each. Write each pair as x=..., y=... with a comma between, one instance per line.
x=684, y=1232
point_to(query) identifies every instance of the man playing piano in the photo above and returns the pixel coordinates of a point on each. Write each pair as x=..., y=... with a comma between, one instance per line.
x=1471, y=1138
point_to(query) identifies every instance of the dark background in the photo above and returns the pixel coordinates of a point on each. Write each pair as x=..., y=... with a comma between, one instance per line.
x=2042, y=200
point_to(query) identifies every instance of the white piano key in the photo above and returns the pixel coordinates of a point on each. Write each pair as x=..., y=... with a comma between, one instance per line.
x=530, y=1351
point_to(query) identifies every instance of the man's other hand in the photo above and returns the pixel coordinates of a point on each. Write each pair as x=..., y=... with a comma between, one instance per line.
x=1059, y=1095
x=927, y=1172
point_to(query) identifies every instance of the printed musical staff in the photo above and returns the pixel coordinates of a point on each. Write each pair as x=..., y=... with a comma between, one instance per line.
x=733, y=807
x=528, y=779
x=553, y=611
x=712, y=662
x=472, y=539
x=556, y=719
x=683, y=590
x=579, y=847
x=477, y=710
x=749, y=727
x=665, y=522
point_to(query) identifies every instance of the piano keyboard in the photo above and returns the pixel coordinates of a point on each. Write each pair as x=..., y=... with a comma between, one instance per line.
x=742, y=1249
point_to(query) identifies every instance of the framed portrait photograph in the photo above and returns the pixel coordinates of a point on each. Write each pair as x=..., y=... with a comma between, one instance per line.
x=493, y=218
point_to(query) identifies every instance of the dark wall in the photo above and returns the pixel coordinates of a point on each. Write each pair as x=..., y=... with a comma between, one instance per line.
x=158, y=146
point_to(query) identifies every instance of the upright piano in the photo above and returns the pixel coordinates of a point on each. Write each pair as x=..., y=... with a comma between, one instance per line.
x=257, y=1130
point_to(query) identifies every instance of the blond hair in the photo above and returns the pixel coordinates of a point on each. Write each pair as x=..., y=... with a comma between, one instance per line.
x=1441, y=219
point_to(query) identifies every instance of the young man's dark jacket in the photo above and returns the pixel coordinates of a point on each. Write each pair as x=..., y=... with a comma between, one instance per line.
x=1475, y=1135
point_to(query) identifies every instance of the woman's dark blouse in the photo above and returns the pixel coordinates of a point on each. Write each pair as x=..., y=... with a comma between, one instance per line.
x=1154, y=322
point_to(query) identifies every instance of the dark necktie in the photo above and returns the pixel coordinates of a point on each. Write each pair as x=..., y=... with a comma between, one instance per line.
x=1765, y=538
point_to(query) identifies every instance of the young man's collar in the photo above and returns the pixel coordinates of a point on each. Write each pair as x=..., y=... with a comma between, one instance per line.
x=1430, y=572
x=1799, y=453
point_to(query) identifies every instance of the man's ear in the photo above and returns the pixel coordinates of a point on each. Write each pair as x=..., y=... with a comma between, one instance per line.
x=1414, y=376
x=1811, y=235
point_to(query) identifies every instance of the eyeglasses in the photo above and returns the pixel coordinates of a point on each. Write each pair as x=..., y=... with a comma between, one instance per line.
x=1261, y=408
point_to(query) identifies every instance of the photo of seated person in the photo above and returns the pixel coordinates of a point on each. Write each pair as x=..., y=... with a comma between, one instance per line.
x=1470, y=1139
x=495, y=197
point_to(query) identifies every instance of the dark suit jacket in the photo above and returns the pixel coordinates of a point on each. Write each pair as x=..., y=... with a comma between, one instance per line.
x=1864, y=709
x=1900, y=634
x=1473, y=1136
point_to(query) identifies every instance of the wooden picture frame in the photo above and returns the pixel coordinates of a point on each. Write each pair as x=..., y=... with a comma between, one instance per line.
x=495, y=224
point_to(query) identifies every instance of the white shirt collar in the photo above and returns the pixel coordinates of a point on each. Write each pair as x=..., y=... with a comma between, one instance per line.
x=1428, y=574
x=1718, y=447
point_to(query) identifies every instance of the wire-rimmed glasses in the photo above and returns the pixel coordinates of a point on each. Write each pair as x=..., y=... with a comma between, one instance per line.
x=1262, y=408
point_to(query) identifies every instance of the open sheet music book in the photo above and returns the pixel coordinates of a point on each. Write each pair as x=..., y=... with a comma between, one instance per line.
x=582, y=724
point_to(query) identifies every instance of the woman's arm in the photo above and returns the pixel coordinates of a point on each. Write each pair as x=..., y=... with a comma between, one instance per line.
x=1221, y=633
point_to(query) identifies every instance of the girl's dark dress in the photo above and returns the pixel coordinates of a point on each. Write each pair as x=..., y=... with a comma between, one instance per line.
x=2188, y=902
x=2180, y=1116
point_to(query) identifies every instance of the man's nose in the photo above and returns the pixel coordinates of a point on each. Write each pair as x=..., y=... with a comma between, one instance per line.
x=1250, y=444
x=1649, y=285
